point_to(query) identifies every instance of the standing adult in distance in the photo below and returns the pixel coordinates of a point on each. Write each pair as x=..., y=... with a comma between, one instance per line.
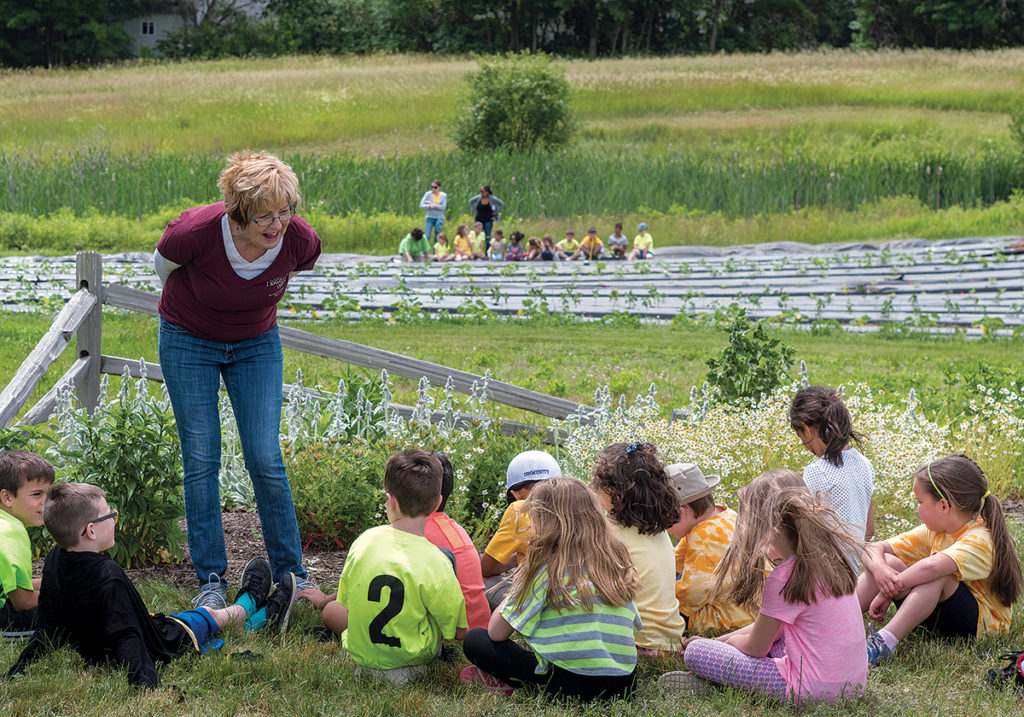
x=435, y=202
x=486, y=209
x=224, y=268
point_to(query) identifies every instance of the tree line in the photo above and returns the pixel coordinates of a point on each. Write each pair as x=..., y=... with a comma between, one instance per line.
x=63, y=32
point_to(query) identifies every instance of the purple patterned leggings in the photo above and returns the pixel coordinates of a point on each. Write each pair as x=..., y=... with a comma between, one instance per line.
x=722, y=663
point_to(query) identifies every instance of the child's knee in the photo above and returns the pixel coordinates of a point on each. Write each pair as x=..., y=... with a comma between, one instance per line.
x=895, y=563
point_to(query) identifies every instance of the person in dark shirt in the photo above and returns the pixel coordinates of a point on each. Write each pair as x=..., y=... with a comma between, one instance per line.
x=87, y=601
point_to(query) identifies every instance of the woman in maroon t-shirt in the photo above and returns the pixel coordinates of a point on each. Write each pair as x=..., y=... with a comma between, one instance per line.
x=224, y=268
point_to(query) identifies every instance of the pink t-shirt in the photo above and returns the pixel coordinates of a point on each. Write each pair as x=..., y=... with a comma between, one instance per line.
x=444, y=532
x=206, y=297
x=825, y=656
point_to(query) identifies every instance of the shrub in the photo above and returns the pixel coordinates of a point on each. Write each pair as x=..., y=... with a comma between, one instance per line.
x=129, y=448
x=752, y=365
x=515, y=102
x=337, y=489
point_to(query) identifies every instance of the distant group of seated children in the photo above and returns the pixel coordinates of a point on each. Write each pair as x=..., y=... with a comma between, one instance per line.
x=476, y=244
x=769, y=598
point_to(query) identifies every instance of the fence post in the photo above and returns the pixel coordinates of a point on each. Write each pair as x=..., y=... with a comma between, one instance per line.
x=88, y=338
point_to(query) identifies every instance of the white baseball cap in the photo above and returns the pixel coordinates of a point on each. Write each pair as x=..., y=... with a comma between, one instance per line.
x=530, y=466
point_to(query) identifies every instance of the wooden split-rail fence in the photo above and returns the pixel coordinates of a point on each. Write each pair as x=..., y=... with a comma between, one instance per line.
x=81, y=319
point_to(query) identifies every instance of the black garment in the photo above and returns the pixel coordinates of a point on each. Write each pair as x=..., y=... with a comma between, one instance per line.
x=88, y=602
x=509, y=662
x=955, y=617
x=484, y=212
x=16, y=623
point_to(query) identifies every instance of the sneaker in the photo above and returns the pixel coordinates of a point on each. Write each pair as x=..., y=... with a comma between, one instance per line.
x=304, y=584
x=257, y=580
x=213, y=594
x=878, y=651
x=473, y=675
x=279, y=604
x=682, y=681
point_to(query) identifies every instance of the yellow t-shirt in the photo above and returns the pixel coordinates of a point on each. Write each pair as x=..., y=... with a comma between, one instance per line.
x=656, y=600
x=511, y=536
x=643, y=241
x=697, y=557
x=972, y=550
x=568, y=245
x=589, y=242
x=441, y=249
x=462, y=245
x=478, y=242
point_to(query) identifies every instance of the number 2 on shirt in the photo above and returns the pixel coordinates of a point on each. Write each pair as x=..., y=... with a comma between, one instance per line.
x=396, y=599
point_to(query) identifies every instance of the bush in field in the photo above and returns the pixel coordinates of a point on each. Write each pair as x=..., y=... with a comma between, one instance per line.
x=1017, y=127
x=752, y=365
x=129, y=448
x=515, y=102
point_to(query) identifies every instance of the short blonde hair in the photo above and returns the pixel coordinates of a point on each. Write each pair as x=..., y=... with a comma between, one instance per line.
x=69, y=507
x=255, y=183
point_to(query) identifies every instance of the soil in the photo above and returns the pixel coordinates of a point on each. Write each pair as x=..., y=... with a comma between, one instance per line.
x=244, y=542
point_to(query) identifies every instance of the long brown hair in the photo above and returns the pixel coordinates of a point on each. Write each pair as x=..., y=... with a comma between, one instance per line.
x=774, y=502
x=964, y=486
x=640, y=491
x=572, y=541
x=823, y=409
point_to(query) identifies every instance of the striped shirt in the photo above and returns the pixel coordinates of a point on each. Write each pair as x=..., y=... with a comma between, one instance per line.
x=595, y=643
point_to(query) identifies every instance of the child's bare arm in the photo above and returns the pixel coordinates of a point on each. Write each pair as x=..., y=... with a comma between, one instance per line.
x=925, y=571
x=23, y=599
x=759, y=640
x=490, y=567
x=498, y=628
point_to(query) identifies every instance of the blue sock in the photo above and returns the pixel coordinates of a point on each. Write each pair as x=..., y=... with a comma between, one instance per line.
x=256, y=621
x=248, y=602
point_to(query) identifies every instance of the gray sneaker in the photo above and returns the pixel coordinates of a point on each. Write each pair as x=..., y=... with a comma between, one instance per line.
x=682, y=681
x=304, y=584
x=213, y=595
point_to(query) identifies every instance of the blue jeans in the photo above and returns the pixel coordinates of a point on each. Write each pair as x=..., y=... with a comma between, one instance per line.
x=435, y=225
x=253, y=374
x=487, y=234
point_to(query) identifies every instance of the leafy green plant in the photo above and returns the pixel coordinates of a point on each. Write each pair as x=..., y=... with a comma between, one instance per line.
x=337, y=489
x=752, y=365
x=130, y=449
x=515, y=102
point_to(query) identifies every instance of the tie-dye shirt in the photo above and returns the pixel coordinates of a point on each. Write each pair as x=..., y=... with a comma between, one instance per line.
x=972, y=550
x=697, y=557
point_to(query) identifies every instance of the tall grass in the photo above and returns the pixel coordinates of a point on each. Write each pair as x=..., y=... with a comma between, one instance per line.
x=562, y=184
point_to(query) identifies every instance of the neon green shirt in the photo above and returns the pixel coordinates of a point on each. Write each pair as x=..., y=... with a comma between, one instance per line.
x=15, y=556
x=402, y=598
x=644, y=242
x=568, y=245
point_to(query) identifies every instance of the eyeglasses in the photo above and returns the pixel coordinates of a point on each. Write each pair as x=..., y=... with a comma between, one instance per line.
x=112, y=515
x=267, y=219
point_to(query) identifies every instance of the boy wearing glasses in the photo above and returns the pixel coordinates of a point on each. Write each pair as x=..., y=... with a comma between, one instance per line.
x=24, y=479
x=87, y=601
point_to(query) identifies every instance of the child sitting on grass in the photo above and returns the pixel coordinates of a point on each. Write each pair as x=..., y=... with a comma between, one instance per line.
x=508, y=545
x=87, y=601
x=571, y=600
x=807, y=640
x=478, y=241
x=496, y=252
x=25, y=477
x=398, y=595
x=957, y=573
x=463, y=245
x=642, y=505
x=515, y=247
x=445, y=533
x=442, y=249
x=704, y=530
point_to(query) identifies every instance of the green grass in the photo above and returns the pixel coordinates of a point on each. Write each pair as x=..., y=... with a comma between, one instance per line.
x=571, y=360
x=712, y=150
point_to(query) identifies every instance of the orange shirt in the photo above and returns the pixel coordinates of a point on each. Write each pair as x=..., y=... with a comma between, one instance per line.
x=972, y=550
x=444, y=532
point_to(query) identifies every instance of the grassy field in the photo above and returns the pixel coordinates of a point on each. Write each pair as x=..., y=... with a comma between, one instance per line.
x=724, y=150
x=574, y=360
